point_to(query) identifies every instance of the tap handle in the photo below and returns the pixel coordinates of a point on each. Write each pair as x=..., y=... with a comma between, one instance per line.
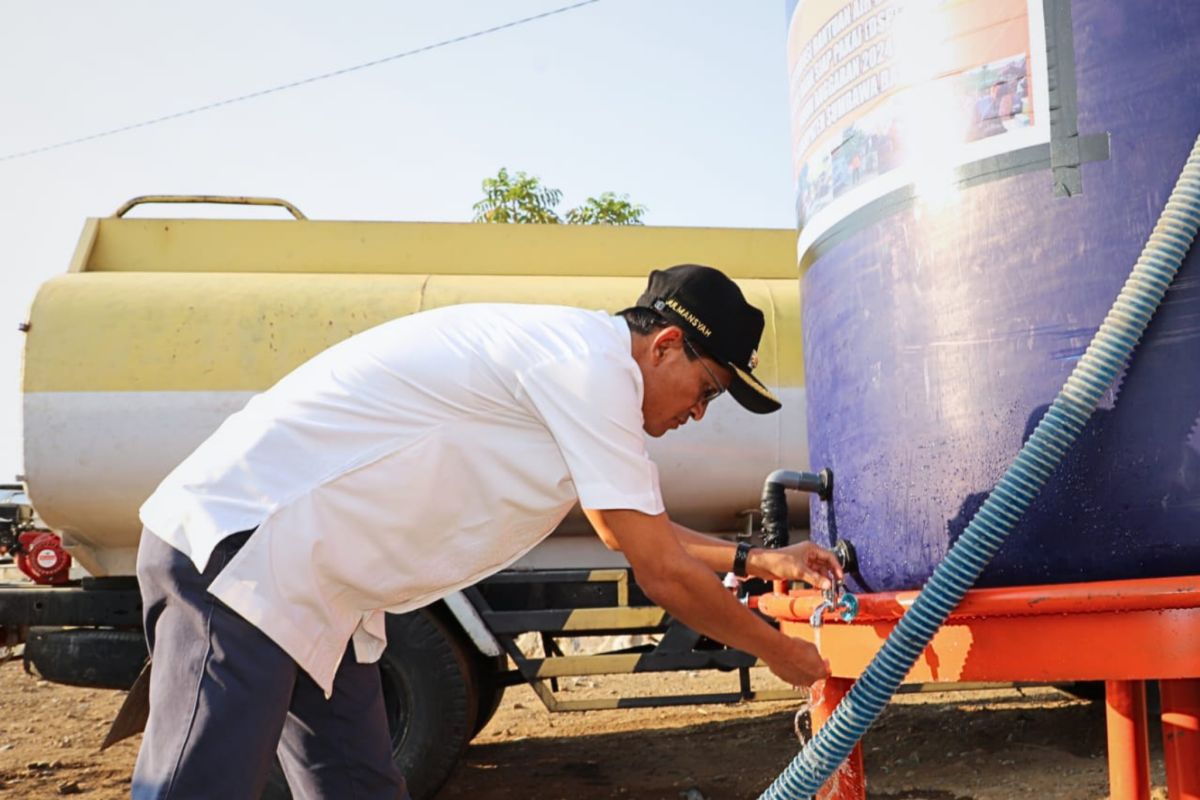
x=848, y=604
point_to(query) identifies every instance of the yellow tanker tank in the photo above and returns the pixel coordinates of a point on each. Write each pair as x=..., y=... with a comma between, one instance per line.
x=163, y=327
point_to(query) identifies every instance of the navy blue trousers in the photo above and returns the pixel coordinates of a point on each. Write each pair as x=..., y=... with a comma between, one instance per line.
x=224, y=699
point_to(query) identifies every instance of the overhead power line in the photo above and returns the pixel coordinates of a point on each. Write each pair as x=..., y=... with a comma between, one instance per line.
x=303, y=82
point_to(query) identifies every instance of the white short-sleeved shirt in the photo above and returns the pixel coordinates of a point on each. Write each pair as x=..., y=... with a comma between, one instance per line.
x=407, y=462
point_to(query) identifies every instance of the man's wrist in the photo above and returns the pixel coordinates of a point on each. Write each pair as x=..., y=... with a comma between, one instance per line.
x=762, y=563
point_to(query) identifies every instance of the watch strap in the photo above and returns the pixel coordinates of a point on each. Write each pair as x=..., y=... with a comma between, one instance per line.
x=739, y=558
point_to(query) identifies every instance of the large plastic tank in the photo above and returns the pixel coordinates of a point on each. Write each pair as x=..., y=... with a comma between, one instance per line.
x=975, y=181
x=163, y=327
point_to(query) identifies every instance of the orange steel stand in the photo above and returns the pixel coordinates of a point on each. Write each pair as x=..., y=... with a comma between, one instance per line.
x=1128, y=746
x=1120, y=632
x=850, y=780
x=1181, y=737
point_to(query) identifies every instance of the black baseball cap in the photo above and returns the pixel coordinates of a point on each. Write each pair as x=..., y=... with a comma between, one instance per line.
x=713, y=314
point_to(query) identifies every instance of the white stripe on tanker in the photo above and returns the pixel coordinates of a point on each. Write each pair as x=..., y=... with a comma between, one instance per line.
x=127, y=442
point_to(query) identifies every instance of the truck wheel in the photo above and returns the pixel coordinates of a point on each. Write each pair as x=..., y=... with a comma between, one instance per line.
x=93, y=657
x=431, y=701
x=490, y=691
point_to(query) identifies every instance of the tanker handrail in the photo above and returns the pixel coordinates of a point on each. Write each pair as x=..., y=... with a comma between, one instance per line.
x=232, y=200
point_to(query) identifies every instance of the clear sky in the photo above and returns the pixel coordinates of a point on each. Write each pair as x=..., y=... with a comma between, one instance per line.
x=680, y=104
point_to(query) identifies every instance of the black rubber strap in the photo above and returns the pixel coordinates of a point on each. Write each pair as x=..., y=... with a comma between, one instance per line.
x=739, y=558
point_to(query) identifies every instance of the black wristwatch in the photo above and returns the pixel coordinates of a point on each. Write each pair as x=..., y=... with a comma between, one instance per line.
x=739, y=558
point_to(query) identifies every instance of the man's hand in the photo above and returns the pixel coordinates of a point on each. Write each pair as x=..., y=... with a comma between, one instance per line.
x=799, y=562
x=799, y=663
x=685, y=586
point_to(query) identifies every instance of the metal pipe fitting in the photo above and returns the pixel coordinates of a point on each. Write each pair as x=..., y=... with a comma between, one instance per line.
x=774, y=501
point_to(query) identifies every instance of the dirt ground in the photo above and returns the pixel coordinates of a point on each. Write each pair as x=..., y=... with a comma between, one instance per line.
x=991, y=745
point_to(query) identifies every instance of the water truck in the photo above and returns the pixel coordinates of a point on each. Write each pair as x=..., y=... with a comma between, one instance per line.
x=162, y=327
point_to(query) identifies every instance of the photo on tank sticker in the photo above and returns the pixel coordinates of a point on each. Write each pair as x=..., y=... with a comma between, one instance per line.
x=886, y=94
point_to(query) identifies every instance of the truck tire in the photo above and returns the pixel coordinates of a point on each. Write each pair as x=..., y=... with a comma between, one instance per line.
x=97, y=658
x=488, y=688
x=431, y=699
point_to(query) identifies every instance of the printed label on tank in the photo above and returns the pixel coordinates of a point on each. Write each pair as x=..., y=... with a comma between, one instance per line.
x=887, y=93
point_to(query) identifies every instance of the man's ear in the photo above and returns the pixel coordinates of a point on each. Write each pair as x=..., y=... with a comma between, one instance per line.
x=665, y=340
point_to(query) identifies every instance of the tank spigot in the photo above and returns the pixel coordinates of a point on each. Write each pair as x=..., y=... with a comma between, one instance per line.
x=835, y=598
x=818, y=615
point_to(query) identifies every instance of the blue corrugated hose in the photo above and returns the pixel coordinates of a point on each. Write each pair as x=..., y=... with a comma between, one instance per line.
x=1055, y=433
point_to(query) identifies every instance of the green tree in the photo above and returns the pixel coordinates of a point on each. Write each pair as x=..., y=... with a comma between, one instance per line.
x=522, y=198
x=607, y=209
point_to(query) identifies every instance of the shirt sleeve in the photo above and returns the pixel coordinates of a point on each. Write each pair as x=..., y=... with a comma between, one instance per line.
x=593, y=409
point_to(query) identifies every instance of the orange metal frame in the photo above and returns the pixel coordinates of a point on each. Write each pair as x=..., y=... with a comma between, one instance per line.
x=1120, y=632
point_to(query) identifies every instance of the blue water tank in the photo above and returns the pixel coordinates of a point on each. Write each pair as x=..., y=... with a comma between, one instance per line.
x=966, y=222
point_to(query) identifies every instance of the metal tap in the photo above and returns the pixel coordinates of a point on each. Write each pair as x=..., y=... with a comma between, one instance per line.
x=834, y=598
x=818, y=615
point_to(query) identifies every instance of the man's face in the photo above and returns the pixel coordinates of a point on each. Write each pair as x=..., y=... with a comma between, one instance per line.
x=677, y=388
